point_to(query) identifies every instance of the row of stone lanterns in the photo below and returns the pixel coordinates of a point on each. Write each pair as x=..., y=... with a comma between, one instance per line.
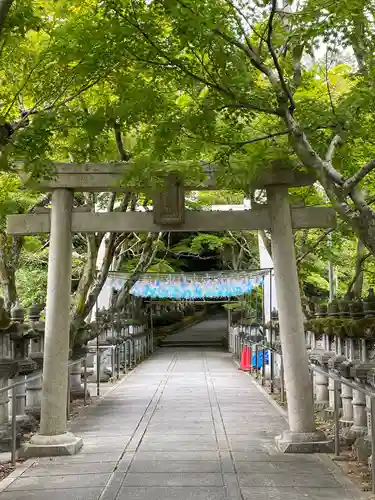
x=336, y=353
x=117, y=347
x=122, y=342
x=21, y=354
x=341, y=339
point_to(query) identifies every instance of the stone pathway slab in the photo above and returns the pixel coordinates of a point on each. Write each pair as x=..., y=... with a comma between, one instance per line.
x=184, y=425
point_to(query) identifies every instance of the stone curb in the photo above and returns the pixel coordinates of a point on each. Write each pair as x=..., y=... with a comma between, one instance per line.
x=7, y=481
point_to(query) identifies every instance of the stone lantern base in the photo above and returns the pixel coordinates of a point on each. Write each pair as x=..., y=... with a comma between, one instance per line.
x=52, y=446
x=304, y=442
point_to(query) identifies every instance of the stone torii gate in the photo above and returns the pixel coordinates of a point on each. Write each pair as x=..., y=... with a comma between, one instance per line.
x=168, y=215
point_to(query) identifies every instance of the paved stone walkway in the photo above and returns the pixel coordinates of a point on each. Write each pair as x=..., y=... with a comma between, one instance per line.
x=185, y=425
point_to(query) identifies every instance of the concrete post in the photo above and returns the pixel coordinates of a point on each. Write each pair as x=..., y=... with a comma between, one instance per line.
x=347, y=404
x=5, y=367
x=53, y=438
x=302, y=435
x=331, y=397
x=21, y=398
x=359, y=426
x=34, y=387
x=363, y=348
x=77, y=390
x=339, y=346
x=322, y=395
x=313, y=340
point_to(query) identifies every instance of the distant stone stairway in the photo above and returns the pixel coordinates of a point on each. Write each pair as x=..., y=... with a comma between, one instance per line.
x=208, y=333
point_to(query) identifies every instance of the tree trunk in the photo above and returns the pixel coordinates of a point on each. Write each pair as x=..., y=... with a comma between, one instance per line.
x=145, y=261
x=5, y=6
x=266, y=241
x=87, y=277
x=8, y=284
x=358, y=283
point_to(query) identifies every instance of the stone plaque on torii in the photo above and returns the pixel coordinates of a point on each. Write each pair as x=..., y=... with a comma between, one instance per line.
x=169, y=215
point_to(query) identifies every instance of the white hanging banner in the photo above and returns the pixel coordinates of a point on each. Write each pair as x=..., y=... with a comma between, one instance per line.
x=270, y=299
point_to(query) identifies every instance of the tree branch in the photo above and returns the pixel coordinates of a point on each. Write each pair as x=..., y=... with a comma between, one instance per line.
x=313, y=247
x=251, y=53
x=359, y=176
x=55, y=104
x=244, y=105
x=141, y=267
x=111, y=246
x=283, y=83
x=336, y=141
x=297, y=53
x=238, y=12
x=111, y=202
x=359, y=270
x=266, y=241
x=241, y=245
x=123, y=154
x=5, y=6
x=307, y=154
x=329, y=87
x=175, y=62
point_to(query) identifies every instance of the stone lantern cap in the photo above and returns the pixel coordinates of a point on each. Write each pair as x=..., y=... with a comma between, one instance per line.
x=360, y=370
x=343, y=368
x=38, y=358
x=26, y=366
x=34, y=312
x=18, y=313
x=335, y=362
x=320, y=357
x=36, y=330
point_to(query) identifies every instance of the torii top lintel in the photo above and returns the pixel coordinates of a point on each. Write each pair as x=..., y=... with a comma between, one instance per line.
x=109, y=177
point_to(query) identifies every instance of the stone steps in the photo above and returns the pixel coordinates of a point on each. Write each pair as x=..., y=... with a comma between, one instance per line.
x=188, y=344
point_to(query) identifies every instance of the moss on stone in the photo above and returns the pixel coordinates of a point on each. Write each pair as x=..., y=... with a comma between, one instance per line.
x=342, y=327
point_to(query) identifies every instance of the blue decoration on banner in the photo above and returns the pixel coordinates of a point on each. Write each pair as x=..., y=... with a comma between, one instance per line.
x=184, y=287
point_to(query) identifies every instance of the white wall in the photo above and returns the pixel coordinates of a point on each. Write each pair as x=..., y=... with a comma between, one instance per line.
x=269, y=282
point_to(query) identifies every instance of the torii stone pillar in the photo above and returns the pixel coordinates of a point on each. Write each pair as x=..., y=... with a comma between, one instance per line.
x=302, y=436
x=53, y=438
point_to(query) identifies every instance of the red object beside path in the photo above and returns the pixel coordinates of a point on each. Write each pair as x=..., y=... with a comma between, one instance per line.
x=245, y=364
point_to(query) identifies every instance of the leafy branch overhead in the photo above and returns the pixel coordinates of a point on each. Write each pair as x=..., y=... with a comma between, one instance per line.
x=246, y=69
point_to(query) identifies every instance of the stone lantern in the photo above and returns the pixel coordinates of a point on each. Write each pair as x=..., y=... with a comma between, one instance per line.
x=8, y=369
x=334, y=364
x=359, y=371
x=121, y=333
x=35, y=334
x=76, y=388
x=25, y=365
x=343, y=368
x=101, y=348
x=320, y=357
